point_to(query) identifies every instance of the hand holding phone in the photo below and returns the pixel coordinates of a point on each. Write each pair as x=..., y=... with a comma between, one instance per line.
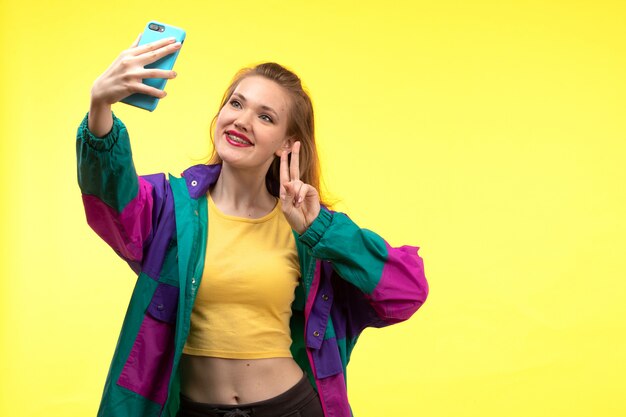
x=154, y=32
x=129, y=73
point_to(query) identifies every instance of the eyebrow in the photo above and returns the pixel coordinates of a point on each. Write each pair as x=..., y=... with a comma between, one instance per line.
x=263, y=106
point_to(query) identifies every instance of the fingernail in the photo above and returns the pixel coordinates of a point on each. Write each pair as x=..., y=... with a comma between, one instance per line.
x=175, y=73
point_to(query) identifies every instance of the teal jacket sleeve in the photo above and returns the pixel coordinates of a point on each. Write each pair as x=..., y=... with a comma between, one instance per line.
x=118, y=204
x=391, y=278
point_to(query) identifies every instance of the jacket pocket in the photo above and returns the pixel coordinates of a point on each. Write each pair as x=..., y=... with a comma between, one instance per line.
x=327, y=359
x=148, y=368
x=164, y=303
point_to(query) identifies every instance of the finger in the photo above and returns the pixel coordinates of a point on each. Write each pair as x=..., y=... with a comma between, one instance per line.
x=150, y=91
x=288, y=195
x=157, y=73
x=284, y=170
x=295, y=162
x=297, y=198
x=156, y=54
x=153, y=45
x=136, y=41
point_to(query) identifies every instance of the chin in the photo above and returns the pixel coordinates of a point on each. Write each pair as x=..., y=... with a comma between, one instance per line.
x=236, y=161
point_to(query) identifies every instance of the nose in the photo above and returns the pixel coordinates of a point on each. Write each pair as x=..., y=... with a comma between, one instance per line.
x=242, y=122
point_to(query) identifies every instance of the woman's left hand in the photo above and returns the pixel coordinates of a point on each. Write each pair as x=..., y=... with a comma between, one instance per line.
x=300, y=201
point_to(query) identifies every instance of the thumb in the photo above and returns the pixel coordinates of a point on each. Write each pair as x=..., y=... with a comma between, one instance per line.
x=136, y=41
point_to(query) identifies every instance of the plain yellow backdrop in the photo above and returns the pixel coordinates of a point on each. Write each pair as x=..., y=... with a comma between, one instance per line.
x=490, y=133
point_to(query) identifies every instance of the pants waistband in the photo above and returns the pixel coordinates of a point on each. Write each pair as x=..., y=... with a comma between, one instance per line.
x=290, y=400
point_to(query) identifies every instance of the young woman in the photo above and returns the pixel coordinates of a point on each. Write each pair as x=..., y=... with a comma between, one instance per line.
x=250, y=294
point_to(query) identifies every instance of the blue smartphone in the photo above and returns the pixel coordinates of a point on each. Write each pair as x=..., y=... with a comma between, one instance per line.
x=153, y=32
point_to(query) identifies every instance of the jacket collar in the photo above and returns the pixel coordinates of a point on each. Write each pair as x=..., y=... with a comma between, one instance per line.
x=199, y=178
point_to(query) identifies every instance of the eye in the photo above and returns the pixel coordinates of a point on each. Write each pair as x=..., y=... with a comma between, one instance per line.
x=266, y=118
x=235, y=103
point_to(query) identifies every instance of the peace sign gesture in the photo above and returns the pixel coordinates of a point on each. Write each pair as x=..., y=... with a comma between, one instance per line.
x=300, y=201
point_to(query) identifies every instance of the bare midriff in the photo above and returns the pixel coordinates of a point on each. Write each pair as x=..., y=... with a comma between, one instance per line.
x=236, y=381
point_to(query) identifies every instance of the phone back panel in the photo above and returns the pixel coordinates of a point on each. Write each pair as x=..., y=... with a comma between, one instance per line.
x=166, y=63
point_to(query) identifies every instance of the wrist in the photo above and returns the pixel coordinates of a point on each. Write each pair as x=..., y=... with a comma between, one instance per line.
x=100, y=119
x=98, y=95
x=314, y=232
x=97, y=103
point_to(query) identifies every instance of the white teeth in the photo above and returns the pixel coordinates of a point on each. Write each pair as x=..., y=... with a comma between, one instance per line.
x=237, y=139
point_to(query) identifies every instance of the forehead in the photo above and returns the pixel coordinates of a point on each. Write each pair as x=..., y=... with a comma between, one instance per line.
x=259, y=91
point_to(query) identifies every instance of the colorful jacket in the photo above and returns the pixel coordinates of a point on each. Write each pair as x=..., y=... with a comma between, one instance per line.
x=351, y=278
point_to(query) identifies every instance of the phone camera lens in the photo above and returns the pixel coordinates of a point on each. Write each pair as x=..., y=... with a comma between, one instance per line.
x=155, y=27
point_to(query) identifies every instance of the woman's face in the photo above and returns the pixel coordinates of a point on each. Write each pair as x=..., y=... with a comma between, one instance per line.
x=251, y=128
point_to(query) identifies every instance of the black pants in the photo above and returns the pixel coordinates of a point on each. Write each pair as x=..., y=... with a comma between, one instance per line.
x=301, y=400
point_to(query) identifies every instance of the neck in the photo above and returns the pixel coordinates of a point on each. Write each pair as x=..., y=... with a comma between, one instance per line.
x=242, y=192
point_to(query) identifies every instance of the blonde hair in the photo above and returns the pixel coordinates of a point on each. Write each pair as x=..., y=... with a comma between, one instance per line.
x=300, y=124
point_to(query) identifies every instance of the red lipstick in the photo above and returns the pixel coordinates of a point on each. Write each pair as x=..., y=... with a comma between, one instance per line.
x=237, y=139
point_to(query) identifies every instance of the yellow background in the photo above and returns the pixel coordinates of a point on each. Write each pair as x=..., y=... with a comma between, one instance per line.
x=490, y=133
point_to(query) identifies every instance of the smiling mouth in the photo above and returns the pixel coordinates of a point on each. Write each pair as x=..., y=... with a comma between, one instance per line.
x=237, y=140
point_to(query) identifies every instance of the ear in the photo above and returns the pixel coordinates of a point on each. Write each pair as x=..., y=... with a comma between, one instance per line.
x=286, y=146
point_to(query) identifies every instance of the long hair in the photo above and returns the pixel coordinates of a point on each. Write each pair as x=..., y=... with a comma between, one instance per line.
x=300, y=124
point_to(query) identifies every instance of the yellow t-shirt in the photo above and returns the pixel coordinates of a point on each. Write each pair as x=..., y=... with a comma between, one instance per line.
x=243, y=305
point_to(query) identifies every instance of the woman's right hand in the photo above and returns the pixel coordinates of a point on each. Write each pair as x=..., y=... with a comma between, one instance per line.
x=124, y=76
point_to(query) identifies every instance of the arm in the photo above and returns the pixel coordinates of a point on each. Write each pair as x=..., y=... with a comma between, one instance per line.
x=100, y=119
x=118, y=204
x=392, y=279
